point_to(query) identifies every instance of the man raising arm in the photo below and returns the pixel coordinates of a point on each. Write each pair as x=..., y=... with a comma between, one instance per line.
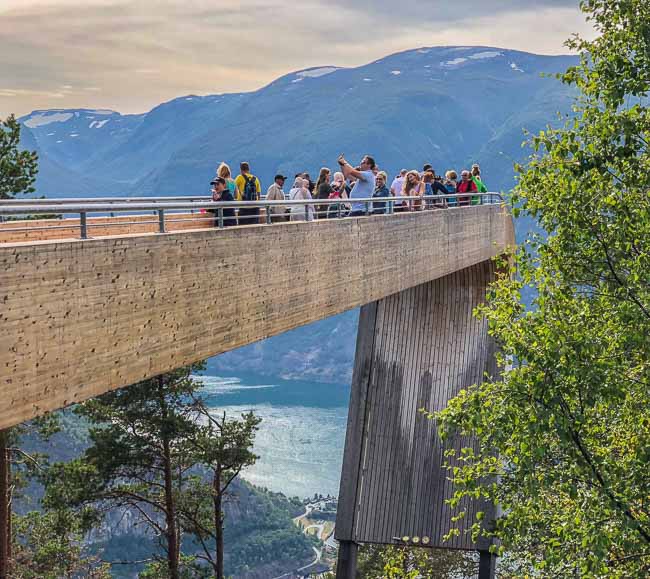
x=365, y=185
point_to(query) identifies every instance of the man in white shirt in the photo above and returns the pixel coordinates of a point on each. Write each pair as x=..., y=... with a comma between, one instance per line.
x=398, y=183
x=365, y=185
x=397, y=186
x=275, y=193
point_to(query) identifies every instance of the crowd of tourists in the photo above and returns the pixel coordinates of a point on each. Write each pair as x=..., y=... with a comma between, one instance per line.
x=409, y=191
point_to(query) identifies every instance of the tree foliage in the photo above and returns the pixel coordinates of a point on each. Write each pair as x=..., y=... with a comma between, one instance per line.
x=53, y=545
x=567, y=428
x=393, y=562
x=18, y=168
x=17, y=468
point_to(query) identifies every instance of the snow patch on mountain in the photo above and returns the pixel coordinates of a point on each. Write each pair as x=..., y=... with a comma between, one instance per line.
x=486, y=54
x=452, y=63
x=47, y=118
x=316, y=72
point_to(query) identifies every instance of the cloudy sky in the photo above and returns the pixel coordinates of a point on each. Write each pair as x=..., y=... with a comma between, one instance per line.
x=130, y=55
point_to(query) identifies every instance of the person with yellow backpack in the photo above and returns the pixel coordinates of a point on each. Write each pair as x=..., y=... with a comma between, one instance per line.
x=249, y=189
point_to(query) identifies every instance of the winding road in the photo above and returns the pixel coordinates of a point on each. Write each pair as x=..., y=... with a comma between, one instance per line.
x=317, y=552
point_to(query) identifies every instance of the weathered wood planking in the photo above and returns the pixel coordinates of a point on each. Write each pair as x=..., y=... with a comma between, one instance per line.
x=80, y=318
x=416, y=349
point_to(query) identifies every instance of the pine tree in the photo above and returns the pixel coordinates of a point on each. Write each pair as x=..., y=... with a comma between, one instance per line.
x=140, y=458
x=18, y=168
x=16, y=467
x=224, y=447
x=17, y=175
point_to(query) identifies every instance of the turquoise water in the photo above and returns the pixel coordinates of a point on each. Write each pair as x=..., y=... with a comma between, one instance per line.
x=301, y=437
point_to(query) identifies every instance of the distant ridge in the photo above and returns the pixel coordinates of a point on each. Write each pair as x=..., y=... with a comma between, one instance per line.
x=447, y=105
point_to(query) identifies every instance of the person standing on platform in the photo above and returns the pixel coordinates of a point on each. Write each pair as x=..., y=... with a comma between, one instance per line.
x=221, y=194
x=433, y=187
x=398, y=183
x=396, y=189
x=466, y=185
x=300, y=192
x=476, y=177
x=276, y=193
x=249, y=190
x=322, y=191
x=365, y=184
x=379, y=207
x=223, y=171
x=451, y=184
x=413, y=187
x=339, y=191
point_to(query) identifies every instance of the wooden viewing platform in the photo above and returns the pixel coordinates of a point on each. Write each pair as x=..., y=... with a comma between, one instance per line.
x=83, y=317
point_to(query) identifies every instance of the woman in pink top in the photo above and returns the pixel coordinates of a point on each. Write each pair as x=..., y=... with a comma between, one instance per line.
x=413, y=187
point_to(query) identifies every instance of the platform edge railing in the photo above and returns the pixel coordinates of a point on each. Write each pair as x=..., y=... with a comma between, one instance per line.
x=160, y=205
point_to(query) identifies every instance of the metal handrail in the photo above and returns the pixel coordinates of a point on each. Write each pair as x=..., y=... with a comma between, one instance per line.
x=89, y=206
x=84, y=207
x=97, y=200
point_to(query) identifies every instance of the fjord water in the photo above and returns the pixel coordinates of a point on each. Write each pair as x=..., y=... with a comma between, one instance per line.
x=301, y=437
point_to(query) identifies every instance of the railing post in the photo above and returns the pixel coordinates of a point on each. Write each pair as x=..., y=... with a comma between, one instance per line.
x=268, y=215
x=161, y=221
x=338, y=211
x=367, y=208
x=83, y=224
x=220, y=217
x=306, y=212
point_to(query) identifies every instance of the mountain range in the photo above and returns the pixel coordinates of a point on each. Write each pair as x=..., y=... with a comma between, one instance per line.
x=449, y=106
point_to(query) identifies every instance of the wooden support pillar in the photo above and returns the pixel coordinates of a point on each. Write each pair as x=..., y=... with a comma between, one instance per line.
x=415, y=349
x=487, y=565
x=346, y=567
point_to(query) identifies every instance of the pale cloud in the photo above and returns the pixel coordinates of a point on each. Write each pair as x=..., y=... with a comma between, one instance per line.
x=131, y=56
